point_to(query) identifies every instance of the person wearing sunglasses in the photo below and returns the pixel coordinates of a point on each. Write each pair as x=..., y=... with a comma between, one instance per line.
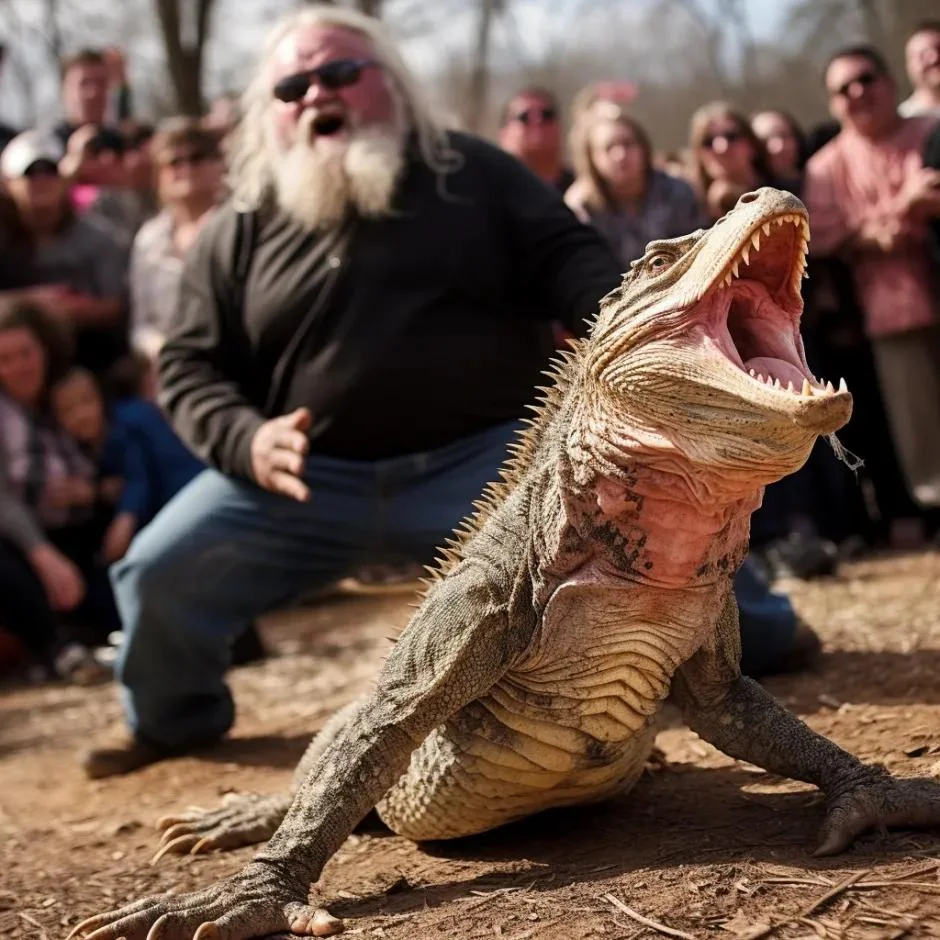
x=187, y=174
x=357, y=332
x=530, y=129
x=727, y=158
x=871, y=200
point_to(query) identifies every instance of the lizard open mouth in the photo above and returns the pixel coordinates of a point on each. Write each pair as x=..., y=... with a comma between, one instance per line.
x=754, y=307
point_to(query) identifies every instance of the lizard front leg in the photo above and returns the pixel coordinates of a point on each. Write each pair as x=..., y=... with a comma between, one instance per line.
x=456, y=647
x=245, y=818
x=743, y=720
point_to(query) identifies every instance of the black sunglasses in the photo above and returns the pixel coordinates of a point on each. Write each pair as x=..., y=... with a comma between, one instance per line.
x=340, y=73
x=547, y=115
x=732, y=137
x=190, y=159
x=865, y=79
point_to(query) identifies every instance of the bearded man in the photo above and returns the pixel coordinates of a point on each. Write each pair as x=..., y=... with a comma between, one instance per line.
x=355, y=341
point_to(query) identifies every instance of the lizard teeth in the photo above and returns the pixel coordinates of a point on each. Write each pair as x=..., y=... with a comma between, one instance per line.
x=745, y=254
x=842, y=386
x=807, y=389
x=755, y=241
x=765, y=228
x=829, y=389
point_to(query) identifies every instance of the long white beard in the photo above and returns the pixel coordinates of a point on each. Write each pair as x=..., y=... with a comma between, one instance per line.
x=318, y=185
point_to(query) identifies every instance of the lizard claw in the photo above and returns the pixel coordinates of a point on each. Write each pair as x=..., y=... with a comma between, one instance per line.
x=254, y=903
x=880, y=803
x=242, y=820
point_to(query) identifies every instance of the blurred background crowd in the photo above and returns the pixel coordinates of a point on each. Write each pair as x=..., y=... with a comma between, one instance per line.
x=102, y=200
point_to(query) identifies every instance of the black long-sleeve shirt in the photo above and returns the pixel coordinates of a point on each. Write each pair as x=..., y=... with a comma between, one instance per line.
x=400, y=334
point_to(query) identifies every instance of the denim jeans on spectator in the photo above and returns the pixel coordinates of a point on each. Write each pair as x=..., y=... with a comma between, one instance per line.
x=223, y=552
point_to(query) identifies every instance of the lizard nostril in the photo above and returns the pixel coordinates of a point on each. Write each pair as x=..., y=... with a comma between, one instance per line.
x=748, y=197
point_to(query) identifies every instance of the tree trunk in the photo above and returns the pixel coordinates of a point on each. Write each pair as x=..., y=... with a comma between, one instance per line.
x=479, y=74
x=184, y=44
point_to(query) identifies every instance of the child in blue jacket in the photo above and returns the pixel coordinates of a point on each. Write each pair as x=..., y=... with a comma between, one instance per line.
x=141, y=462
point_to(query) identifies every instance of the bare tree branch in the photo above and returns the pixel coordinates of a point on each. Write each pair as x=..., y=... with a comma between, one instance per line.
x=185, y=59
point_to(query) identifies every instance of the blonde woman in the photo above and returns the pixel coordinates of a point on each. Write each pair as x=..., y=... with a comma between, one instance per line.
x=618, y=190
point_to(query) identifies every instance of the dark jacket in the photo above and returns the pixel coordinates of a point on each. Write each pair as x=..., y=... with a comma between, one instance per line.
x=401, y=334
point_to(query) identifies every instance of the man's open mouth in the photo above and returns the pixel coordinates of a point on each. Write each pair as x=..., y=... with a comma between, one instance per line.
x=328, y=124
x=754, y=306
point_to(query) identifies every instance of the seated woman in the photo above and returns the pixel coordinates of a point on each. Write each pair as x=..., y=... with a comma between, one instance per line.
x=188, y=164
x=616, y=188
x=53, y=587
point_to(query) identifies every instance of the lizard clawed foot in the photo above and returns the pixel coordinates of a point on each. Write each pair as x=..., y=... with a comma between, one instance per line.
x=253, y=903
x=243, y=820
x=878, y=803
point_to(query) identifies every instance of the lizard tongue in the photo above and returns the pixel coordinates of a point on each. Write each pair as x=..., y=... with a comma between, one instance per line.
x=776, y=369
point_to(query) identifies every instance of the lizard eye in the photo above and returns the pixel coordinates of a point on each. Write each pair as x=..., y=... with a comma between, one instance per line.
x=659, y=262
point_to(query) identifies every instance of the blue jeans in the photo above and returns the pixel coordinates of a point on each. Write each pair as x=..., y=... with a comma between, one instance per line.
x=223, y=552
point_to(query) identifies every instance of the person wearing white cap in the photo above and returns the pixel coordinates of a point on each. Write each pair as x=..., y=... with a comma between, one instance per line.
x=75, y=266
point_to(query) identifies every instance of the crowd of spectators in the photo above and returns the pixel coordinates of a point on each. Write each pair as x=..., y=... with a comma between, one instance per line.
x=99, y=212
x=872, y=302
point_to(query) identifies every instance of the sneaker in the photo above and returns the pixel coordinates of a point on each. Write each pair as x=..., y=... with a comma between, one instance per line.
x=125, y=753
x=78, y=664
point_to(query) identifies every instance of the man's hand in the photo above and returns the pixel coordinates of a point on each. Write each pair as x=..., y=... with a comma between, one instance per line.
x=117, y=539
x=278, y=452
x=60, y=578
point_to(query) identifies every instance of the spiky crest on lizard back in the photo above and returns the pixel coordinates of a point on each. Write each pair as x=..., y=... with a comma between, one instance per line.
x=561, y=375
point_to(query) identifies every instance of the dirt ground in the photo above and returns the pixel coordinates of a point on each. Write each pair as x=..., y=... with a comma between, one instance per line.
x=705, y=847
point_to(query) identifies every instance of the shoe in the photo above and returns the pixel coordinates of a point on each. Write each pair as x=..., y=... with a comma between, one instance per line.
x=78, y=665
x=126, y=753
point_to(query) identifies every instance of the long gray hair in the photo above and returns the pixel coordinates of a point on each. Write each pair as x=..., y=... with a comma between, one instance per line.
x=251, y=176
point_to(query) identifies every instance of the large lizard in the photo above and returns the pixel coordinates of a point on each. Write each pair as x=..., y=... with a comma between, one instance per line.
x=593, y=582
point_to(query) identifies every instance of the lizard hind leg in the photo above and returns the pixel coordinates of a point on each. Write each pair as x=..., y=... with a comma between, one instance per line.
x=244, y=818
